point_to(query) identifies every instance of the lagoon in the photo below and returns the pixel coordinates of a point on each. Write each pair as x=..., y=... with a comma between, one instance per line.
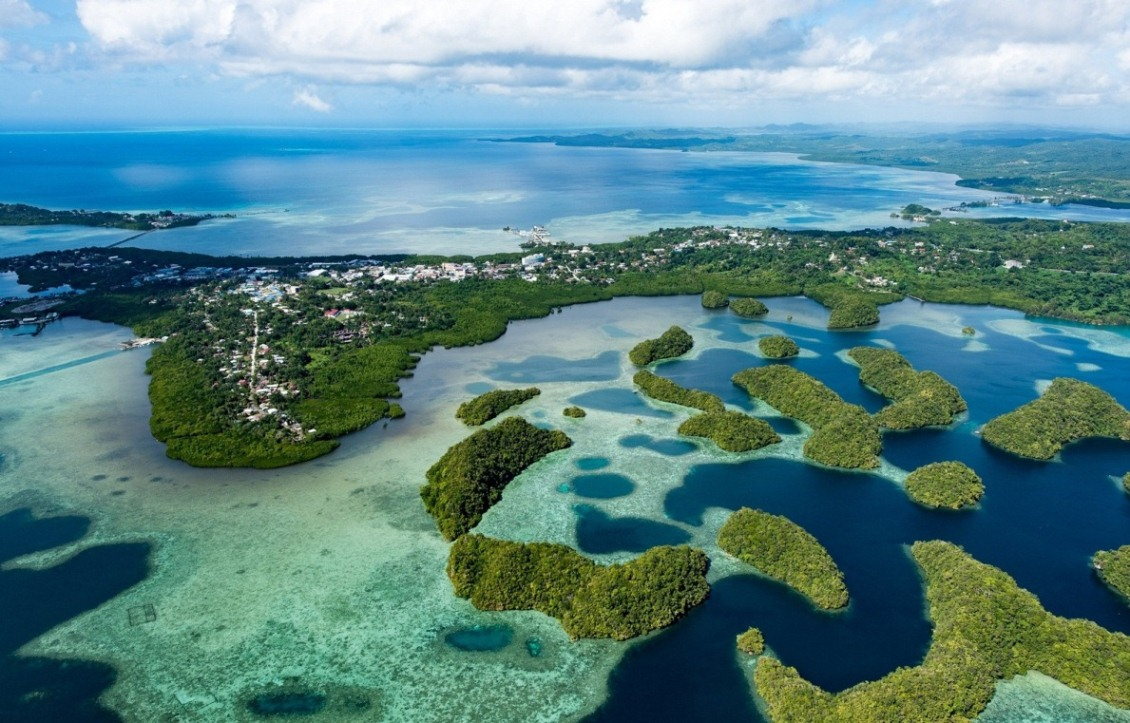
x=328, y=577
x=310, y=192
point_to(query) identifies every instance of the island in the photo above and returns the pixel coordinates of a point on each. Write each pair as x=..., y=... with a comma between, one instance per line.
x=470, y=476
x=1113, y=568
x=1126, y=483
x=489, y=405
x=751, y=642
x=670, y=344
x=273, y=359
x=844, y=435
x=748, y=307
x=785, y=551
x=574, y=412
x=665, y=390
x=1068, y=411
x=986, y=629
x=731, y=431
x=21, y=214
x=777, y=347
x=850, y=308
x=591, y=601
x=946, y=485
x=921, y=399
x=714, y=300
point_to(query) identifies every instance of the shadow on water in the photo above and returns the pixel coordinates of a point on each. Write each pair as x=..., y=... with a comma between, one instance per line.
x=35, y=601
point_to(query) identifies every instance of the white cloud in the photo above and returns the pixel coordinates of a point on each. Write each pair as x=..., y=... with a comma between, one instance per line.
x=18, y=14
x=1003, y=51
x=308, y=98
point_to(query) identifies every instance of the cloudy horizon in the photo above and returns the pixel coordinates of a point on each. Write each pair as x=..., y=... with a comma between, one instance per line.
x=506, y=63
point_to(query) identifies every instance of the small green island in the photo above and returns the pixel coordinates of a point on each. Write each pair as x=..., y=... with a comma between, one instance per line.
x=785, y=551
x=489, y=405
x=714, y=300
x=986, y=629
x=1113, y=568
x=574, y=412
x=844, y=435
x=21, y=214
x=850, y=308
x=1126, y=483
x=945, y=485
x=921, y=399
x=670, y=344
x=777, y=347
x=748, y=307
x=751, y=642
x=470, y=476
x=731, y=431
x=665, y=390
x=591, y=601
x=1068, y=411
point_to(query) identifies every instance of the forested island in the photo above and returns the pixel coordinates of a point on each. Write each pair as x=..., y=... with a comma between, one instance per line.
x=946, y=485
x=469, y=478
x=921, y=399
x=749, y=307
x=777, y=347
x=670, y=344
x=665, y=390
x=591, y=601
x=268, y=361
x=986, y=629
x=844, y=435
x=785, y=551
x=1068, y=411
x=21, y=214
x=1113, y=568
x=731, y=431
x=712, y=299
x=489, y=405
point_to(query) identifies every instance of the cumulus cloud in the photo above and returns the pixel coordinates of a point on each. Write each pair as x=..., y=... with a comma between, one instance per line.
x=997, y=51
x=306, y=97
x=18, y=14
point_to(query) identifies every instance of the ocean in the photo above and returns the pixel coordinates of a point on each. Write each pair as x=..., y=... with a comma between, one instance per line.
x=136, y=588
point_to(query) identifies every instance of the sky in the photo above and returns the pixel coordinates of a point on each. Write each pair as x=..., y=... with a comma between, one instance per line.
x=565, y=63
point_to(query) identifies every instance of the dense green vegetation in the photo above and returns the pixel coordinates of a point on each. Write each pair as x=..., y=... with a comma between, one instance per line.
x=1068, y=270
x=731, y=431
x=1126, y=483
x=785, y=551
x=1113, y=568
x=986, y=629
x=844, y=435
x=751, y=642
x=778, y=347
x=665, y=390
x=670, y=344
x=19, y=214
x=489, y=405
x=1068, y=411
x=591, y=601
x=189, y=418
x=748, y=307
x=470, y=476
x=921, y=399
x=574, y=412
x=712, y=299
x=850, y=307
x=950, y=485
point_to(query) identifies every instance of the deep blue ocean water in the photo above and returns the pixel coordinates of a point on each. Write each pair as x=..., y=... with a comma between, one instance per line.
x=1039, y=521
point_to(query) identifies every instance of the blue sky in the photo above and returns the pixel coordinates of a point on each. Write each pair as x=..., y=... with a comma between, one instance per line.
x=530, y=63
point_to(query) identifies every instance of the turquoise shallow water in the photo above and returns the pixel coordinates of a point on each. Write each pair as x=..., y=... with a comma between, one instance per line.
x=1040, y=522
x=301, y=192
